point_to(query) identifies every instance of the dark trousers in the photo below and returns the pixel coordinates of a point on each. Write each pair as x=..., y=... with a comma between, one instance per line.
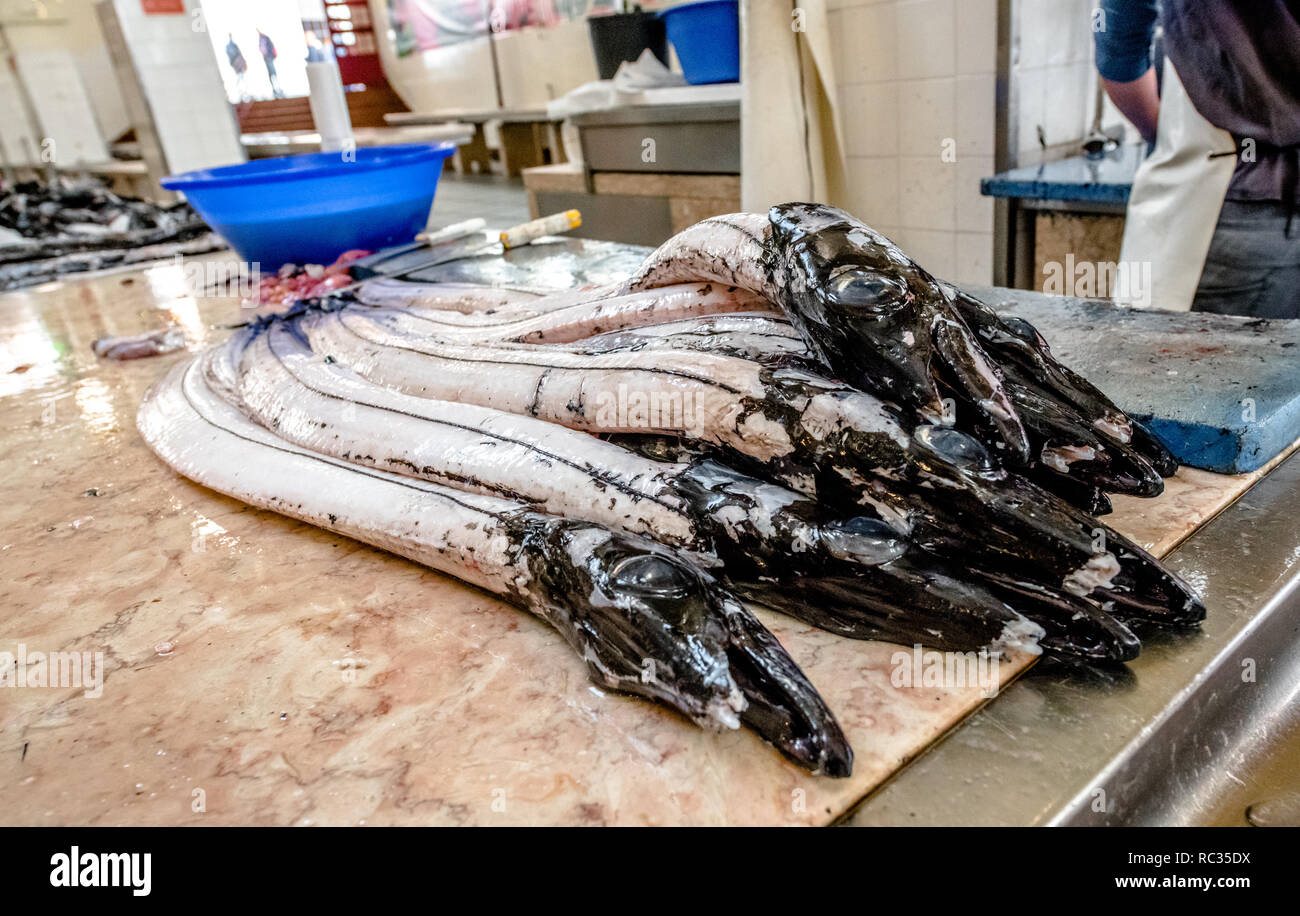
x=1253, y=266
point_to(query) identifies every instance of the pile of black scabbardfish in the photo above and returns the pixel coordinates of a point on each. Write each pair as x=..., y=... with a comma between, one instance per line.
x=49, y=229
x=779, y=408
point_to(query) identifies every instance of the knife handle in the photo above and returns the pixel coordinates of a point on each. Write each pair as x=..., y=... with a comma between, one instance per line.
x=453, y=232
x=555, y=224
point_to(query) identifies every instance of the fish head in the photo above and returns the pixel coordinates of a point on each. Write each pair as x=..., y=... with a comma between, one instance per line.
x=881, y=322
x=858, y=300
x=646, y=620
x=650, y=621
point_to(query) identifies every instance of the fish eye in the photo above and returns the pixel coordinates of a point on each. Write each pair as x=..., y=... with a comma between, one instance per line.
x=1021, y=328
x=651, y=576
x=865, y=289
x=954, y=447
x=869, y=541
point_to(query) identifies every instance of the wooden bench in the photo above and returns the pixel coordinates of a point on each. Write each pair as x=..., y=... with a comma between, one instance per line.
x=528, y=138
x=366, y=108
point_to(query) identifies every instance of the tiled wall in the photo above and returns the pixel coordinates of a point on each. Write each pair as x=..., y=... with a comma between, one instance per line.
x=178, y=71
x=1055, y=77
x=59, y=96
x=916, y=89
x=74, y=29
x=19, y=144
x=917, y=77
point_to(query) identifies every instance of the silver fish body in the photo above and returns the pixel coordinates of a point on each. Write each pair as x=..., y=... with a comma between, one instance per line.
x=644, y=620
x=771, y=542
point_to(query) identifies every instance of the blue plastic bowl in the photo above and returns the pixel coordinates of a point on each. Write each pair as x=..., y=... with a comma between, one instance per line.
x=707, y=38
x=311, y=208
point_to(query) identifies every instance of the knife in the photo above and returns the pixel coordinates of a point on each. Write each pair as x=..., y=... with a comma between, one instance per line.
x=514, y=237
x=365, y=267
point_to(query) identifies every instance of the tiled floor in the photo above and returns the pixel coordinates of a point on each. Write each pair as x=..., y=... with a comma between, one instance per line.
x=499, y=200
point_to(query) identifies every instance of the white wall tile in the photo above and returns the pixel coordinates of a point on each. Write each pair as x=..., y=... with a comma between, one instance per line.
x=178, y=72
x=870, y=112
x=1058, y=32
x=18, y=140
x=927, y=38
x=975, y=101
x=974, y=210
x=865, y=43
x=873, y=183
x=901, y=102
x=973, y=258
x=1034, y=31
x=1067, y=107
x=926, y=192
x=60, y=100
x=927, y=116
x=1030, y=115
x=977, y=36
x=1081, y=36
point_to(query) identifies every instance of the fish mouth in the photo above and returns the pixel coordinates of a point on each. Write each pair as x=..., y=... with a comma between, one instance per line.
x=1070, y=625
x=782, y=705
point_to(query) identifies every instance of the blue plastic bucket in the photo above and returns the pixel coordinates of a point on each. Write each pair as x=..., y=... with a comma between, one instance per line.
x=312, y=208
x=707, y=39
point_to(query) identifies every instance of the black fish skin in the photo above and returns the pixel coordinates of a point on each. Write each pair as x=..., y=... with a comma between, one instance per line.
x=909, y=594
x=1051, y=423
x=783, y=706
x=850, y=576
x=630, y=601
x=879, y=321
x=1090, y=499
x=946, y=588
x=1027, y=532
x=767, y=537
x=1062, y=536
x=1017, y=343
x=1075, y=627
x=1103, y=462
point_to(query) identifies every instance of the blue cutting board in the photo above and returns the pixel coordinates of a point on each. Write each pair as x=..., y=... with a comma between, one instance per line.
x=1222, y=393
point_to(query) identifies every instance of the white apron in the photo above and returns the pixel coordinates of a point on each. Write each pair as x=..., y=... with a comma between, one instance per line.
x=791, y=144
x=1175, y=202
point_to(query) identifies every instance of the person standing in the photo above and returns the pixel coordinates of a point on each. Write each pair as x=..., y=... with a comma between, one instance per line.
x=1213, y=209
x=266, y=48
x=237, y=64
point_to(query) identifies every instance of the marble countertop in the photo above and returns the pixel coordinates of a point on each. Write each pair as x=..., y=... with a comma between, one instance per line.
x=1104, y=181
x=260, y=671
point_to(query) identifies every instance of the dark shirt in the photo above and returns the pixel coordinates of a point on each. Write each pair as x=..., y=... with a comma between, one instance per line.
x=1239, y=61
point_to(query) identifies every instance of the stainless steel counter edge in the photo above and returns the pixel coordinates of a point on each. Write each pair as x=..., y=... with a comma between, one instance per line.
x=1153, y=742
